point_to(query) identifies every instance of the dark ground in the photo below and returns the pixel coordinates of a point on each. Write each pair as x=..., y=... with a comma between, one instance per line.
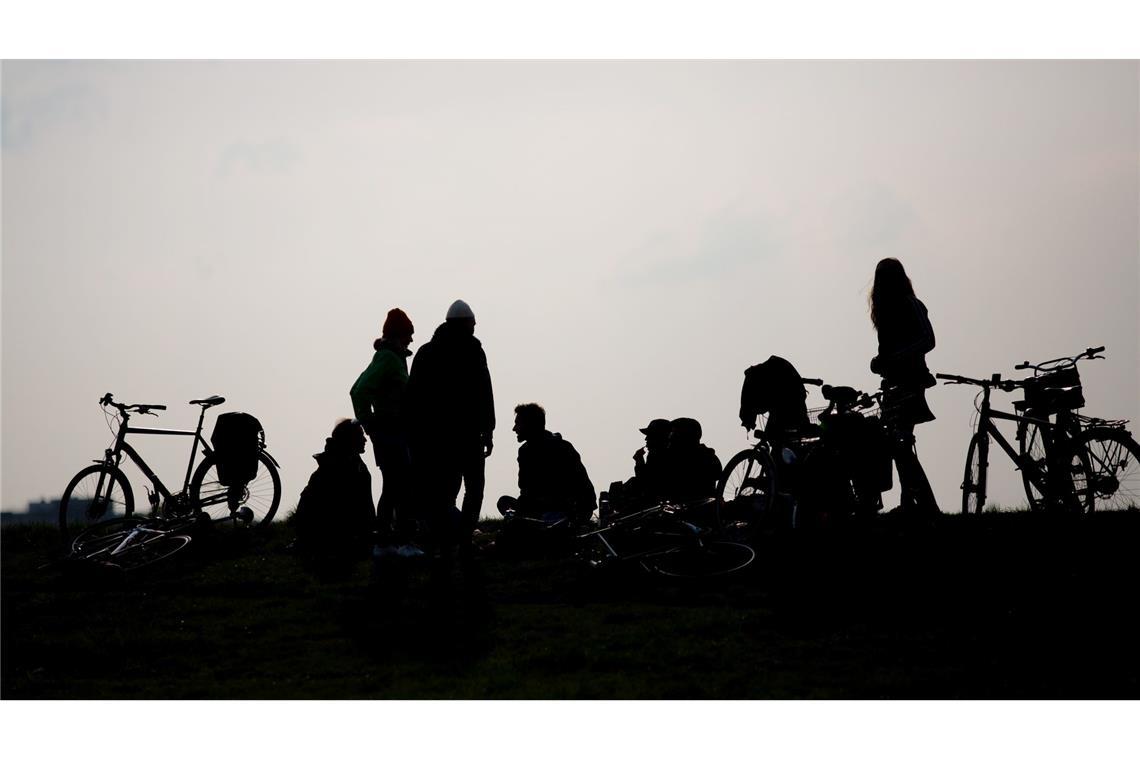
x=997, y=606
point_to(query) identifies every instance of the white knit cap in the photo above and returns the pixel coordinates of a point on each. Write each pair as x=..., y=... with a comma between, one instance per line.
x=460, y=310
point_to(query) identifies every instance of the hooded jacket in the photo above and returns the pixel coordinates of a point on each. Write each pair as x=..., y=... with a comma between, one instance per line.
x=335, y=511
x=449, y=388
x=378, y=394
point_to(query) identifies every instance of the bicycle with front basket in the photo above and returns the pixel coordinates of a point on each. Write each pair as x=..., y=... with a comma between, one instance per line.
x=1112, y=455
x=102, y=491
x=1060, y=476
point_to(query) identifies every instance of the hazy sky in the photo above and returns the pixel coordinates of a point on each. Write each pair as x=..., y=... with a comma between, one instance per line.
x=631, y=236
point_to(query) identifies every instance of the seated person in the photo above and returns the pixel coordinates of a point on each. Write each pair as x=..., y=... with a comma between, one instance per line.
x=335, y=516
x=694, y=467
x=650, y=479
x=775, y=388
x=552, y=480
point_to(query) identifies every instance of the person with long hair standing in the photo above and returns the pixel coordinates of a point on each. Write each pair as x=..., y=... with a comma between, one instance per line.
x=905, y=337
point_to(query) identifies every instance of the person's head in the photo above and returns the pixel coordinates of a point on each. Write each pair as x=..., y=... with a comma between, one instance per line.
x=891, y=287
x=530, y=421
x=398, y=328
x=350, y=435
x=685, y=432
x=460, y=316
x=657, y=434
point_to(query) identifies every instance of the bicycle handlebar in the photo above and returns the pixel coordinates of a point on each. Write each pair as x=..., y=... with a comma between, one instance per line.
x=993, y=382
x=108, y=400
x=1088, y=353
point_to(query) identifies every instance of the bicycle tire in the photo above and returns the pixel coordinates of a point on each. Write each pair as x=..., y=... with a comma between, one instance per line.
x=706, y=559
x=1114, y=461
x=749, y=477
x=262, y=495
x=102, y=537
x=1031, y=445
x=972, y=480
x=103, y=541
x=85, y=501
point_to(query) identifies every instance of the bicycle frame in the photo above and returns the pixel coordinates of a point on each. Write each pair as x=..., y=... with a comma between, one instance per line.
x=114, y=455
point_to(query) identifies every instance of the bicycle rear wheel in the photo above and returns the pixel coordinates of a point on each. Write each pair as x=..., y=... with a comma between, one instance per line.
x=97, y=492
x=261, y=496
x=705, y=559
x=747, y=486
x=1114, y=461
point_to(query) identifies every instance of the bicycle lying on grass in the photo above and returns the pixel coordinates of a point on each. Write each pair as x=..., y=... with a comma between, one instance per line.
x=1076, y=463
x=101, y=491
x=664, y=540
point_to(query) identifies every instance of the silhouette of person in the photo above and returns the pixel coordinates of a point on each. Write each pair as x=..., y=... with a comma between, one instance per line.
x=905, y=337
x=651, y=462
x=451, y=411
x=552, y=479
x=378, y=400
x=694, y=467
x=334, y=514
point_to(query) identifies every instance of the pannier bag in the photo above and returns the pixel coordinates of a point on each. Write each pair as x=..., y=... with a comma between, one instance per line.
x=1055, y=391
x=237, y=439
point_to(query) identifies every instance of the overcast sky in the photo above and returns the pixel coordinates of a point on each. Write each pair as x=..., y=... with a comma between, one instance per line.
x=631, y=236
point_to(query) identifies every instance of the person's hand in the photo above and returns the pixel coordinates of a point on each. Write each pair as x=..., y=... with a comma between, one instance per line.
x=488, y=445
x=639, y=456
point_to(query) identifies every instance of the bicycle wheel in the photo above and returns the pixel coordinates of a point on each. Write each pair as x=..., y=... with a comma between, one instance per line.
x=1031, y=443
x=705, y=559
x=103, y=537
x=147, y=550
x=1114, y=461
x=972, y=498
x=95, y=493
x=747, y=485
x=261, y=496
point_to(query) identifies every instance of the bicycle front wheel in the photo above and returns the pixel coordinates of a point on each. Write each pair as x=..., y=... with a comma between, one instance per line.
x=706, y=559
x=1114, y=462
x=973, y=481
x=98, y=492
x=261, y=496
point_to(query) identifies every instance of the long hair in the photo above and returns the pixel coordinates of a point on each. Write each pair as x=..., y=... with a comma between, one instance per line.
x=892, y=287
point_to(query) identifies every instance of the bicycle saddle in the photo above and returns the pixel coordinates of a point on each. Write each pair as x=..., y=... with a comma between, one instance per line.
x=206, y=403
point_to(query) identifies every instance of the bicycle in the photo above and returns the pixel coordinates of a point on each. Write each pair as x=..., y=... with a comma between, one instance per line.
x=1062, y=475
x=1112, y=453
x=819, y=480
x=102, y=489
x=661, y=541
x=128, y=543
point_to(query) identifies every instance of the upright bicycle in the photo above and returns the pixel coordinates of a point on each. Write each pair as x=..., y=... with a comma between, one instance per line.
x=102, y=491
x=820, y=475
x=1060, y=476
x=1112, y=455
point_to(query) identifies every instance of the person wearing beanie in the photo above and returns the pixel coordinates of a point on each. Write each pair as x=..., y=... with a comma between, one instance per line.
x=378, y=402
x=451, y=415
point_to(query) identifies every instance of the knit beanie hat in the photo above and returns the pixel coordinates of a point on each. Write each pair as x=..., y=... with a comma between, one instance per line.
x=397, y=325
x=460, y=310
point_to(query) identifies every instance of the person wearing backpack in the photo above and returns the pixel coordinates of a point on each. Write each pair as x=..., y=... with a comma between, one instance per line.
x=451, y=417
x=334, y=516
x=905, y=337
x=378, y=402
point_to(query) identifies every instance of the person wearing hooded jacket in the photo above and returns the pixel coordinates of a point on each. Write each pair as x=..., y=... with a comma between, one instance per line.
x=378, y=401
x=334, y=514
x=451, y=416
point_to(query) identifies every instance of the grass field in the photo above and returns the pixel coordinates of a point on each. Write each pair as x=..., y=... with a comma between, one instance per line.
x=998, y=606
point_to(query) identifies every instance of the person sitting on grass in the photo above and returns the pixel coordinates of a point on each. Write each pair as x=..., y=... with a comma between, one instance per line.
x=553, y=483
x=694, y=467
x=335, y=515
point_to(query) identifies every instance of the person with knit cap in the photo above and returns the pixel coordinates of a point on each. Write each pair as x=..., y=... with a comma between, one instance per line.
x=451, y=415
x=378, y=402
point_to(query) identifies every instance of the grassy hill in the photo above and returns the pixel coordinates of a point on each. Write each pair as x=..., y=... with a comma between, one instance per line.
x=997, y=606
